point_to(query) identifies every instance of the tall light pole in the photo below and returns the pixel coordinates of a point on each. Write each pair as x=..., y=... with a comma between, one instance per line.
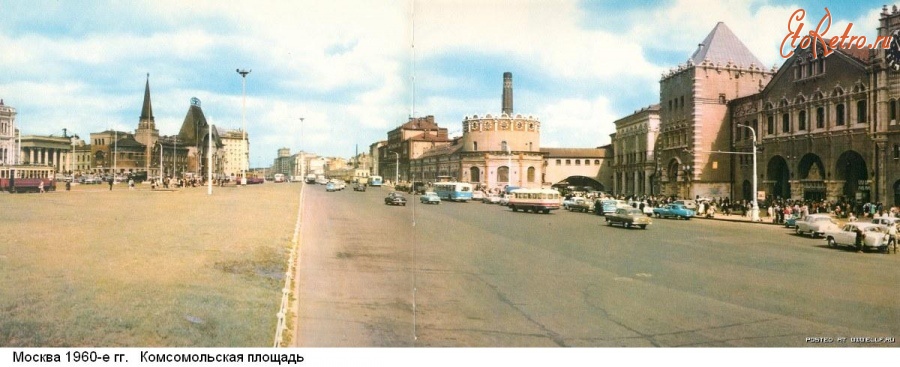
x=160, y=160
x=302, y=166
x=244, y=73
x=754, y=211
x=209, y=162
x=508, y=165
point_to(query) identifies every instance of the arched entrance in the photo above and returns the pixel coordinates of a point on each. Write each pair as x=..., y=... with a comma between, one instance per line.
x=778, y=177
x=580, y=183
x=852, y=169
x=672, y=170
x=812, y=177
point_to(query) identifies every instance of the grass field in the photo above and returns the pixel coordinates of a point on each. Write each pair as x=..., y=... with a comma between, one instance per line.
x=124, y=268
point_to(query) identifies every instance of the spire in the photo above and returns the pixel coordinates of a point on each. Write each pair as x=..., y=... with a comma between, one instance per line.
x=147, y=110
x=721, y=46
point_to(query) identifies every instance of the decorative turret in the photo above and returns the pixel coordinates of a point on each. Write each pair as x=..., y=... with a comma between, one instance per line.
x=507, y=106
x=146, y=119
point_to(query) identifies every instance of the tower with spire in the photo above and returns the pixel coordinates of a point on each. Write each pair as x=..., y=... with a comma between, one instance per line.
x=693, y=111
x=146, y=132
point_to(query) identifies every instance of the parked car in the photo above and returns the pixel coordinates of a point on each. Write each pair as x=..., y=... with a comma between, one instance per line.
x=477, y=195
x=886, y=221
x=791, y=220
x=875, y=236
x=815, y=224
x=690, y=204
x=491, y=199
x=395, y=198
x=629, y=217
x=504, y=200
x=331, y=186
x=608, y=206
x=580, y=204
x=677, y=211
x=568, y=201
x=430, y=197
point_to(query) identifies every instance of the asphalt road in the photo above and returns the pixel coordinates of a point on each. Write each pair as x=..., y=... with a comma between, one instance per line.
x=479, y=275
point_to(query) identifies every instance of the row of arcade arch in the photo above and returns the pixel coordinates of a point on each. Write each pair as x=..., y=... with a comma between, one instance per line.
x=849, y=176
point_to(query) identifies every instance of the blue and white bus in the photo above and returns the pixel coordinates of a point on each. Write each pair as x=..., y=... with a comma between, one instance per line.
x=454, y=191
x=375, y=181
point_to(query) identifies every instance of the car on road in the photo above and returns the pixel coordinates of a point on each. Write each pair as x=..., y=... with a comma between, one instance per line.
x=608, y=206
x=331, y=186
x=504, y=200
x=359, y=186
x=791, y=220
x=491, y=199
x=567, y=201
x=430, y=197
x=677, y=211
x=395, y=198
x=886, y=221
x=580, y=204
x=875, y=236
x=690, y=204
x=815, y=225
x=477, y=195
x=628, y=217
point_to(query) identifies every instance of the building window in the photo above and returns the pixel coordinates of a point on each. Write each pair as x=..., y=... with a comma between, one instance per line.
x=820, y=117
x=861, y=112
x=896, y=151
x=558, y=162
x=722, y=98
x=821, y=65
x=503, y=174
x=786, y=123
x=568, y=162
x=892, y=111
x=770, y=129
x=809, y=69
x=839, y=111
x=596, y=162
x=475, y=146
x=530, y=174
x=577, y=162
x=801, y=121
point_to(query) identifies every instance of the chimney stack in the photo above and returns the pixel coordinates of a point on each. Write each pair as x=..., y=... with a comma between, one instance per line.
x=507, y=107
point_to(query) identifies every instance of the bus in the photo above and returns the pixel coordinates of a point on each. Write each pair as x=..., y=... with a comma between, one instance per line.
x=454, y=191
x=536, y=200
x=375, y=181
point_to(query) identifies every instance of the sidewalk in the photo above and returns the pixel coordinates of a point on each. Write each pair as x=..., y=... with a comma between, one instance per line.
x=738, y=218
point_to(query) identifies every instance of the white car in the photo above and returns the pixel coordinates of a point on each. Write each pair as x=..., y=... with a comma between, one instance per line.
x=504, y=200
x=876, y=236
x=816, y=225
x=477, y=195
x=491, y=199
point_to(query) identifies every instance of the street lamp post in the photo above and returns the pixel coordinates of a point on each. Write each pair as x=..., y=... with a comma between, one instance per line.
x=209, y=162
x=244, y=73
x=754, y=210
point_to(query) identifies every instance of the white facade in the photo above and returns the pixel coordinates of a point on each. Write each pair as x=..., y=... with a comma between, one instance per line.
x=236, y=152
x=8, y=147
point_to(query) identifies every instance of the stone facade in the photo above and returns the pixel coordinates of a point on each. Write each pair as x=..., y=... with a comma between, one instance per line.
x=694, y=131
x=636, y=168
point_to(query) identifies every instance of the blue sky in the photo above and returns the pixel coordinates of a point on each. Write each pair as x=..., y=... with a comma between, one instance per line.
x=345, y=67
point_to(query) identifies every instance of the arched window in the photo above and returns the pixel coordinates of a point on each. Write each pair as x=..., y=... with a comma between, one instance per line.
x=861, y=112
x=892, y=111
x=503, y=174
x=820, y=117
x=801, y=121
x=530, y=174
x=475, y=174
x=839, y=114
x=785, y=123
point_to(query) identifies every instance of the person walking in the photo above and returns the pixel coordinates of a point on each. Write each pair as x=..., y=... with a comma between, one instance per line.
x=110, y=183
x=131, y=184
x=41, y=186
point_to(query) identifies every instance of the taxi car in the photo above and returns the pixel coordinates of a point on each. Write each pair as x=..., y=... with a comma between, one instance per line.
x=395, y=198
x=430, y=197
x=628, y=217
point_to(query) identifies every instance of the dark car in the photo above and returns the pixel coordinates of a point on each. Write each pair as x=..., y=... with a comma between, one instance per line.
x=395, y=198
x=628, y=217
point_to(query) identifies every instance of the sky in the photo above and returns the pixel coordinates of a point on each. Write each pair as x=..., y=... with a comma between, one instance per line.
x=333, y=77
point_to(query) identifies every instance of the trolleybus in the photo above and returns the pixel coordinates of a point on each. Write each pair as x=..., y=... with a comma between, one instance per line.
x=454, y=191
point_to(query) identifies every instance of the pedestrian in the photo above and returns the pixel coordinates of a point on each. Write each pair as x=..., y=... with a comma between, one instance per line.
x=860, y=238
x=110, y=183
x=41, y=186
x=892, y=235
